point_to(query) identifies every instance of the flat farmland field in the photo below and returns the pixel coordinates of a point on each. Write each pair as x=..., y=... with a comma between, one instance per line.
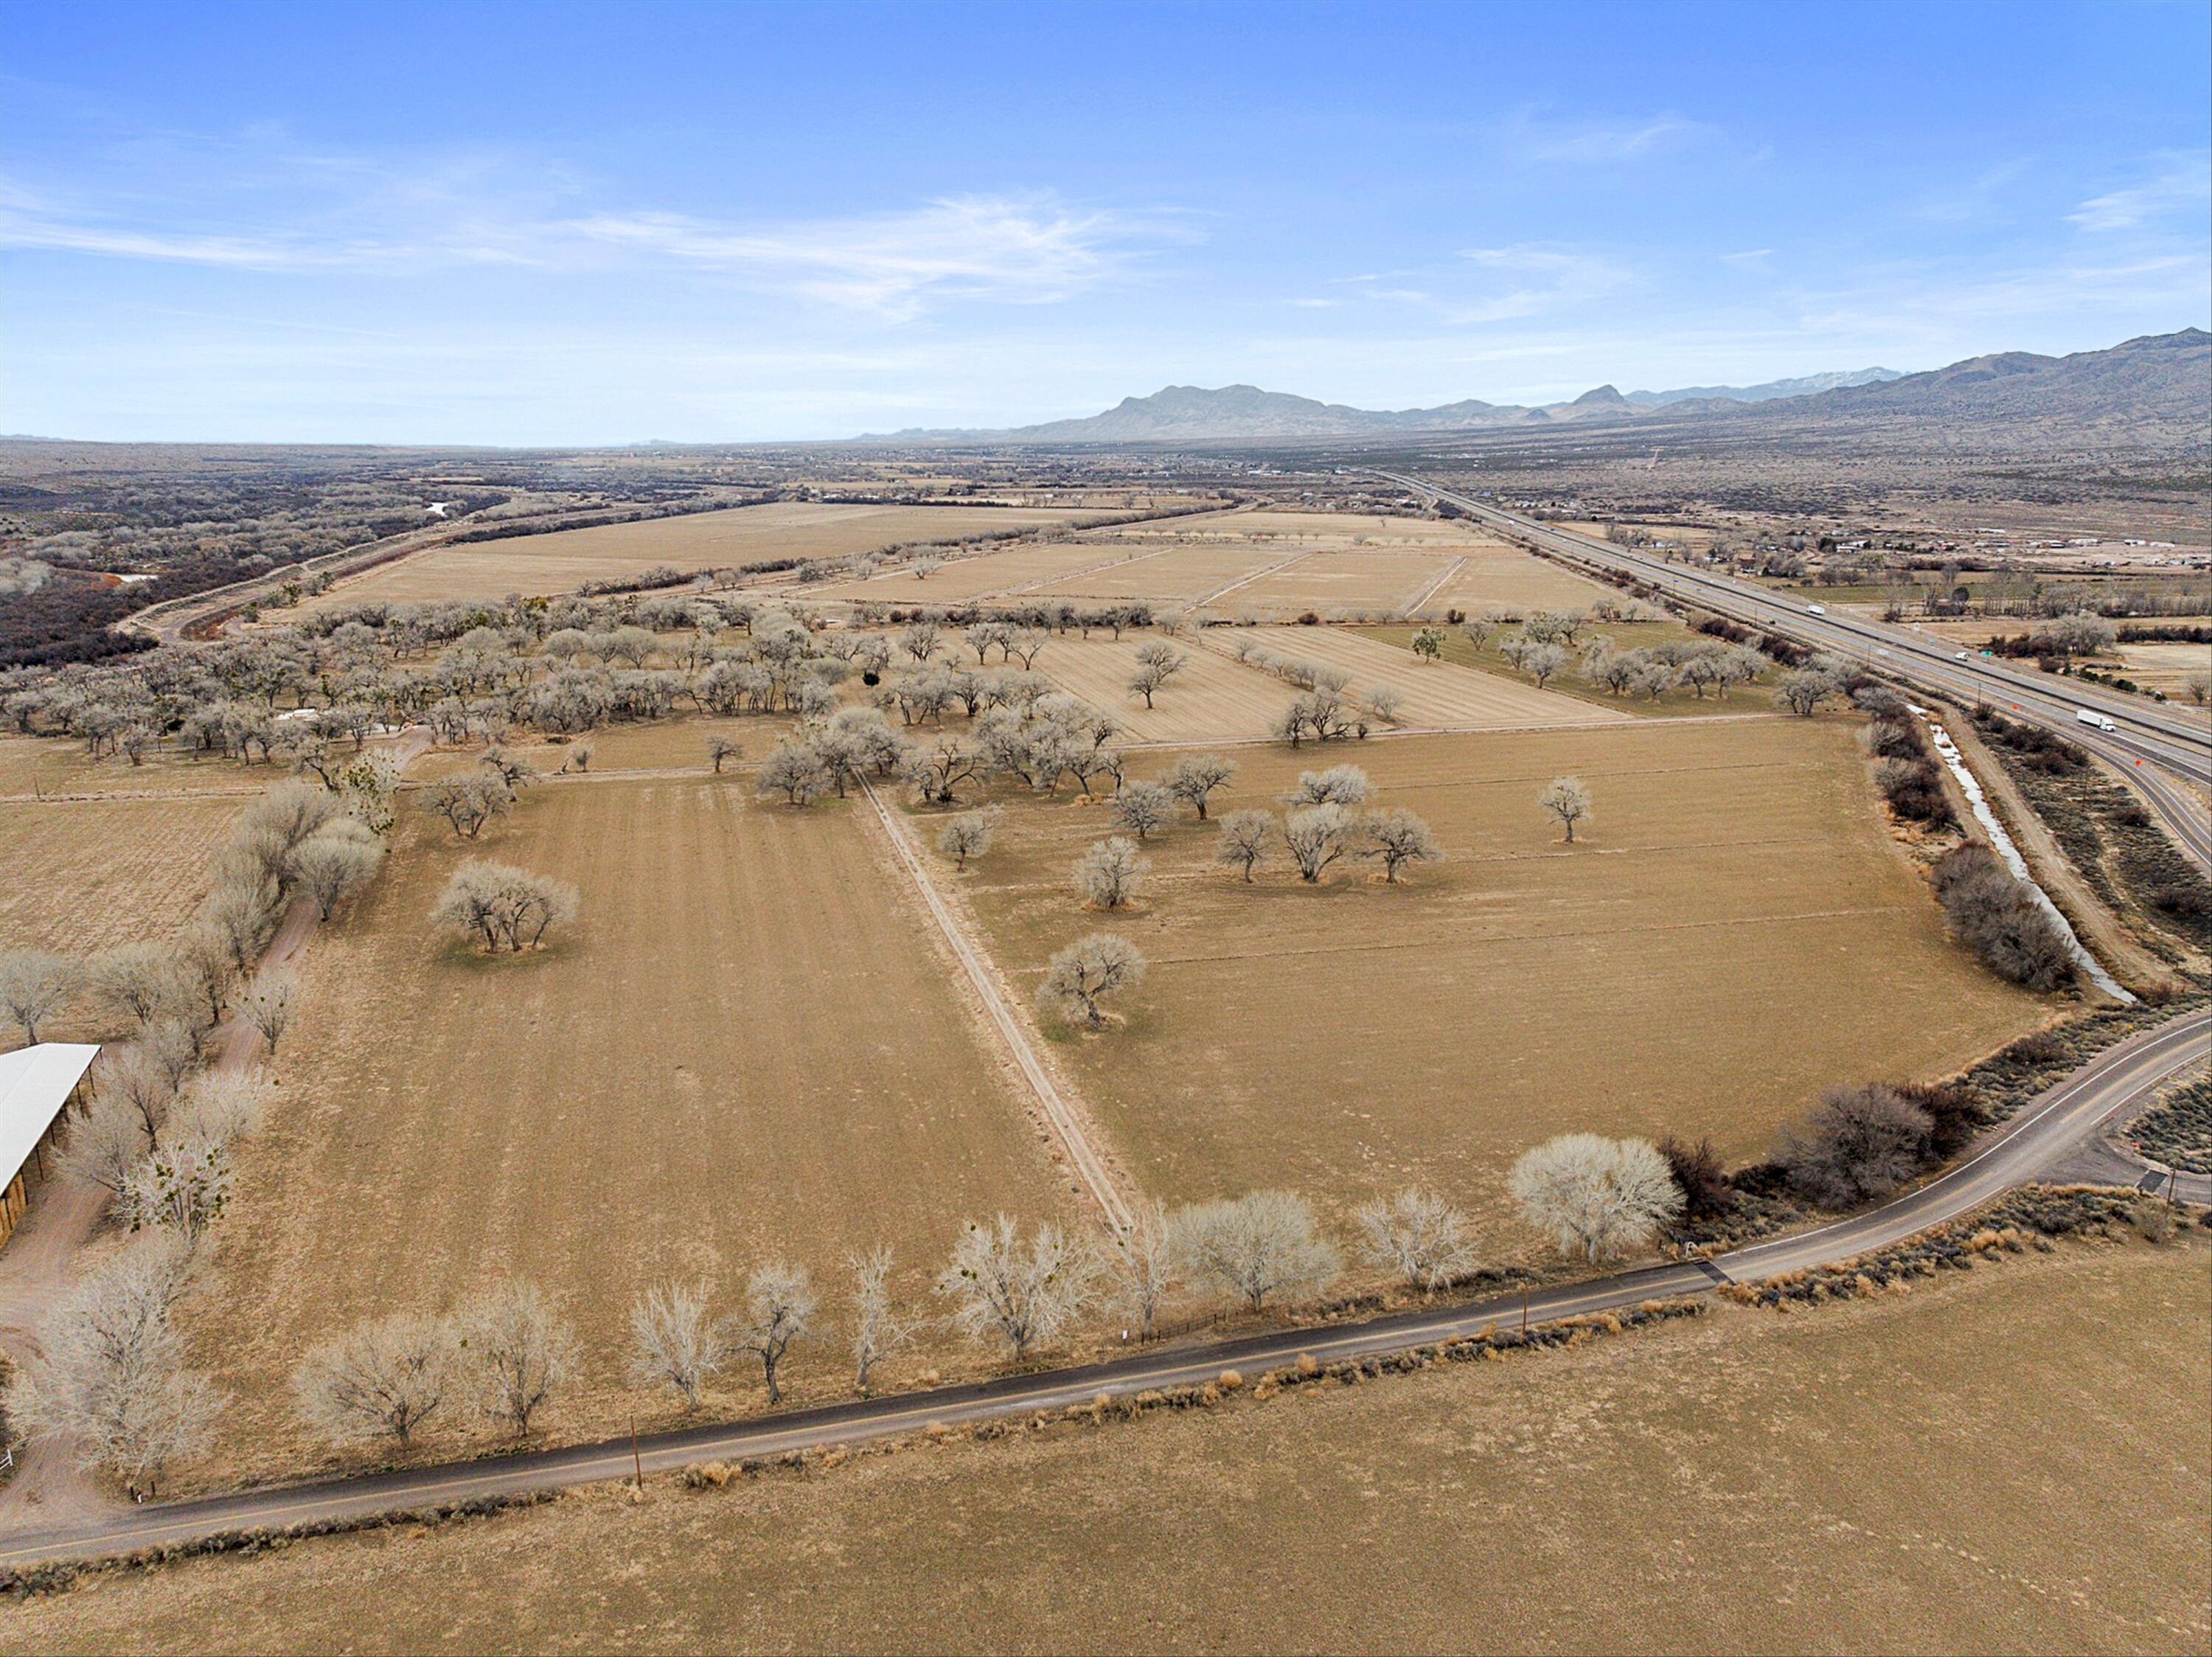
x=1212, y=699
x=77, y=875
x=1178, y=574
x=1735, y=932
x=537, y=565
x=33, y=766
x=1310, y=531
x=1023, y=567
x=2166, y=667
x=1776, y=1444
x=1440, y=695
x=746, y=1047
x=1505, y=580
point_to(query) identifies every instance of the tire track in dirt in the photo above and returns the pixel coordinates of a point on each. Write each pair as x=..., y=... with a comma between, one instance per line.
x=1410, y=611
x=1068, y=1120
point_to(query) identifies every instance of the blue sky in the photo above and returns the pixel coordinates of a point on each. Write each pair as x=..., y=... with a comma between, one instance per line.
x=597, y=224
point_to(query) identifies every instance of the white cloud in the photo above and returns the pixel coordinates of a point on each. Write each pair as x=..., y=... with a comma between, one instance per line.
x=2177, y=183
x=1536, y=138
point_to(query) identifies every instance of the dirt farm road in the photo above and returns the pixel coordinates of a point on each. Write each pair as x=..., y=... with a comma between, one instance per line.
x=2041, y=1134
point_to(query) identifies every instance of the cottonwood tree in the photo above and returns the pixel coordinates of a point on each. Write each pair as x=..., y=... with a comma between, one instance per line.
x=1022, y=1293
x=1566, y=800
x=1396, y=837
x=779, y=1310
x=336, y=860
x=937, y=771
x=1383, y=702
x=1596, y=1196
x=35, y=985
x=1421, y=1237
x=518, y=1353
x=1140, y=807
x=1804, y=691
x=968, y=835
x=1244, y=836
x=217, y=1107
x=1339, y=785
x=109, y=1376
x=106, y=1144
x=182, y=1185
x=270, y=1003
x=1315, y=837
x=673, y=1341
x=1541, y=662
x=383, y=1379
x=1195, y=777
x=1111, y=873
x=138, y=982
x=794, y=768
x=1429, y=644
x=469, y=803
x=1143, y=1266
x=877, y=1331
x=1252, y=1246
x=722, y=748
x=498, y=903
x=1081, y=975
x=1478, y=631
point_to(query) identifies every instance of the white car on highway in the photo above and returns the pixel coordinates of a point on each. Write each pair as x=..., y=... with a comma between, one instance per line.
x=1816, y=609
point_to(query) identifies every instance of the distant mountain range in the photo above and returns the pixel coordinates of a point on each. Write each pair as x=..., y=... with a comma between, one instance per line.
x=2159, y=377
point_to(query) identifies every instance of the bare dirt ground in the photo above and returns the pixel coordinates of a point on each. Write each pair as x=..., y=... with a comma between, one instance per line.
x=557, y=562
x=1018, y=569
x=38, y=767
x=1735, y=932
x=2008, y=1460
x=748, y=1046
x=1212, y=699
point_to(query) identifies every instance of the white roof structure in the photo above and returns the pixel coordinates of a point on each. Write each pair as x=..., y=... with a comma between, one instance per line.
x=35, y=1082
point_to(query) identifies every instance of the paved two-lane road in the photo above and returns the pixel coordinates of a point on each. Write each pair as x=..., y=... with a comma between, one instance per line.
x=2038, y=1137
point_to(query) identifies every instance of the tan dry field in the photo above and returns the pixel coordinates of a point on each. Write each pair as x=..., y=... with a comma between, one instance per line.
x=77, y=875
x=558, y=563
x=2014, y=1460
x=747, y=1047
x=1019, y=569
x=1212, y=699
x=1174, y=575
x=1506, y=581
x=1440, y=695
x=1735, y=932
x=31, y=766
x=2166, y=667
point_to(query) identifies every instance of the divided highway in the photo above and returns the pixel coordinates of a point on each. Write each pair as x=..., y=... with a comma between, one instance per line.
x=2166, y=754
x=2034, y=1140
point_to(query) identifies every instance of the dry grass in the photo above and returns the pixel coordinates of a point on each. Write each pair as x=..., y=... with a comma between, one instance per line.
x=1440, y=695
x=2166, y=667
x=558, y=563
x=1018, y=571
x=85, y=874
x=34, y=766
x=2010, y=1461
x=748, y=1046
x=1212, y=699
x=1736, y=932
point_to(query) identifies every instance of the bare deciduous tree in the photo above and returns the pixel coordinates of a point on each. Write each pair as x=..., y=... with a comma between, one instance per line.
x=35, y=985
x=722, y=748
x=1145, y=1267
x=111, y=1377
x=1596, y=1195
x=1140, y=807
x=1244, y=836
x=1858, y=1143
x=1252, y=1246
x=968, y=835
x=139, y=982
x=674, y=1343
x=518, y=1352
x=1396, y=837
x=1195, y=777
x=796, y=769
x=468, y=802
x=1339, y=785
x=1315, y=837
x=878, y=1329
x=381, y=1380
x=336, y=860
x=270, y=1003
x=1024, y=1293
x=1804, y=691
x=498, y=903
x=1420, y=1236
x=779, y=1310
x=1083, y=974
x=1566, y=800
x=1111, y=873
x=182, y=1185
